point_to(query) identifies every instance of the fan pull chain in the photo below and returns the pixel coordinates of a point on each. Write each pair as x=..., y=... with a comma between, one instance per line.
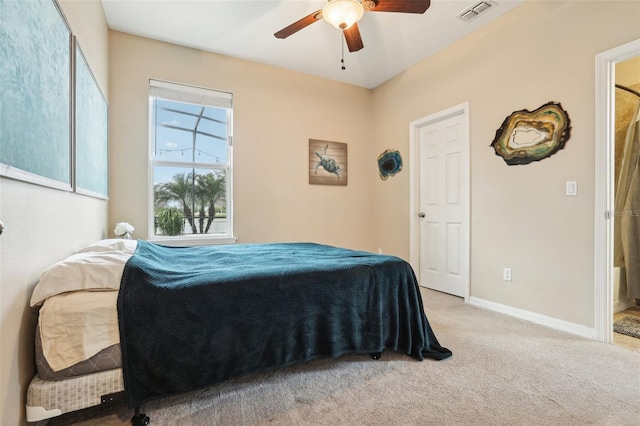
x=342, y=60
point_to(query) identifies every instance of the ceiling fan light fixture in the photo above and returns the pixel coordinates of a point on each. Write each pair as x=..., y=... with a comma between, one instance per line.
x=342, y=13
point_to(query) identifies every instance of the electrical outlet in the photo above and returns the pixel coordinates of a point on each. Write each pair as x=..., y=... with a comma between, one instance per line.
x=506, y=274
x=379, y=251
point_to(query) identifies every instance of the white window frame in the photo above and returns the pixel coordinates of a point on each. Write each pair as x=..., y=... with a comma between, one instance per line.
x=197, y=96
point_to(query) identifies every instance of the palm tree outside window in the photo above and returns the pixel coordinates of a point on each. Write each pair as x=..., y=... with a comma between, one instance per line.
x=190, y=158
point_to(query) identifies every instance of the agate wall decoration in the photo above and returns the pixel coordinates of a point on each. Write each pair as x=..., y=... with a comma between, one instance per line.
x=389, y=163
x=527, y=136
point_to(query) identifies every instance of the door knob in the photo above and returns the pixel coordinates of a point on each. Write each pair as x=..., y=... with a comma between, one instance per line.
x=421, y=214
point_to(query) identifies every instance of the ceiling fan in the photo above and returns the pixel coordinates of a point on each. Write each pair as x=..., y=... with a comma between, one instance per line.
x=345, y=14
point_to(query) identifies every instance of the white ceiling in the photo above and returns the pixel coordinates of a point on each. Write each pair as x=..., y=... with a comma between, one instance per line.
x=244, y=29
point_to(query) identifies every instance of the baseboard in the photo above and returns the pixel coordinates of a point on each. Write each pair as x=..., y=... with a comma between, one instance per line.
x=622, y=304
x=558, y=324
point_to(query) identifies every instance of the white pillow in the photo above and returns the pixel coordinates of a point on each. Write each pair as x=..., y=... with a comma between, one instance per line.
x=124, y=246
x=101, y=270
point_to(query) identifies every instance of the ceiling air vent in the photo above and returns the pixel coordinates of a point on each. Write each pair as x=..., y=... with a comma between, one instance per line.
x=475, y=10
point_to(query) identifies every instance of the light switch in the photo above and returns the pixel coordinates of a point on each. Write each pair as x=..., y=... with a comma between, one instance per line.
x=571, y=188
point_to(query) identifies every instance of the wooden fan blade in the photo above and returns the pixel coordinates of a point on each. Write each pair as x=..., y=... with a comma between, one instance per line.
x=406, y=6
x=352, y=36
x=298, y=25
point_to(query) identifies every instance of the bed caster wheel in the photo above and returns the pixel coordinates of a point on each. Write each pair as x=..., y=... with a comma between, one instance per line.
x=376, y=355
x=140, y=419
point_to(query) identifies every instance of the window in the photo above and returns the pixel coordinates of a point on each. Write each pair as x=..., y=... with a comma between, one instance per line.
x=190, y=156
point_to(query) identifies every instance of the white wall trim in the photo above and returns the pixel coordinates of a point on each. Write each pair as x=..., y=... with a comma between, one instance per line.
x=604, y=191
x=414, y=185
x=557, y=324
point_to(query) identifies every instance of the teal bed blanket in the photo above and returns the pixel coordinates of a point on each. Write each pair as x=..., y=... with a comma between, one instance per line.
x=191, y=317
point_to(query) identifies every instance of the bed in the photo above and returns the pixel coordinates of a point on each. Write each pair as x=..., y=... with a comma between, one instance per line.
x=143, y=321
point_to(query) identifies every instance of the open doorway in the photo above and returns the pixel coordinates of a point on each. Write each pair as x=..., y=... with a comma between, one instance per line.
x=626, y=213
x=605, y=184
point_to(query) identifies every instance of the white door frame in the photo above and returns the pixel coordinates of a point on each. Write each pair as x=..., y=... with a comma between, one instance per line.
x=414, y=186
x=604, y=196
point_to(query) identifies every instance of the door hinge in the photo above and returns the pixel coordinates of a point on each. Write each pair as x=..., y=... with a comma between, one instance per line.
x=607, y=214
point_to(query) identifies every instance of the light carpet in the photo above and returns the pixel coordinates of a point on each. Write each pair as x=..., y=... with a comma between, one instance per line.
x=504, y=371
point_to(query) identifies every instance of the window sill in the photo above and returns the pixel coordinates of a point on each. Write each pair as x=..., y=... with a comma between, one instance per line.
x=198, y=240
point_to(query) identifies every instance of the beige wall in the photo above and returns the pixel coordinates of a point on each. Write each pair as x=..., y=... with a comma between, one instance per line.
x=276, y=112
x=628, y=72
x=520, y=217
x=42, y=226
